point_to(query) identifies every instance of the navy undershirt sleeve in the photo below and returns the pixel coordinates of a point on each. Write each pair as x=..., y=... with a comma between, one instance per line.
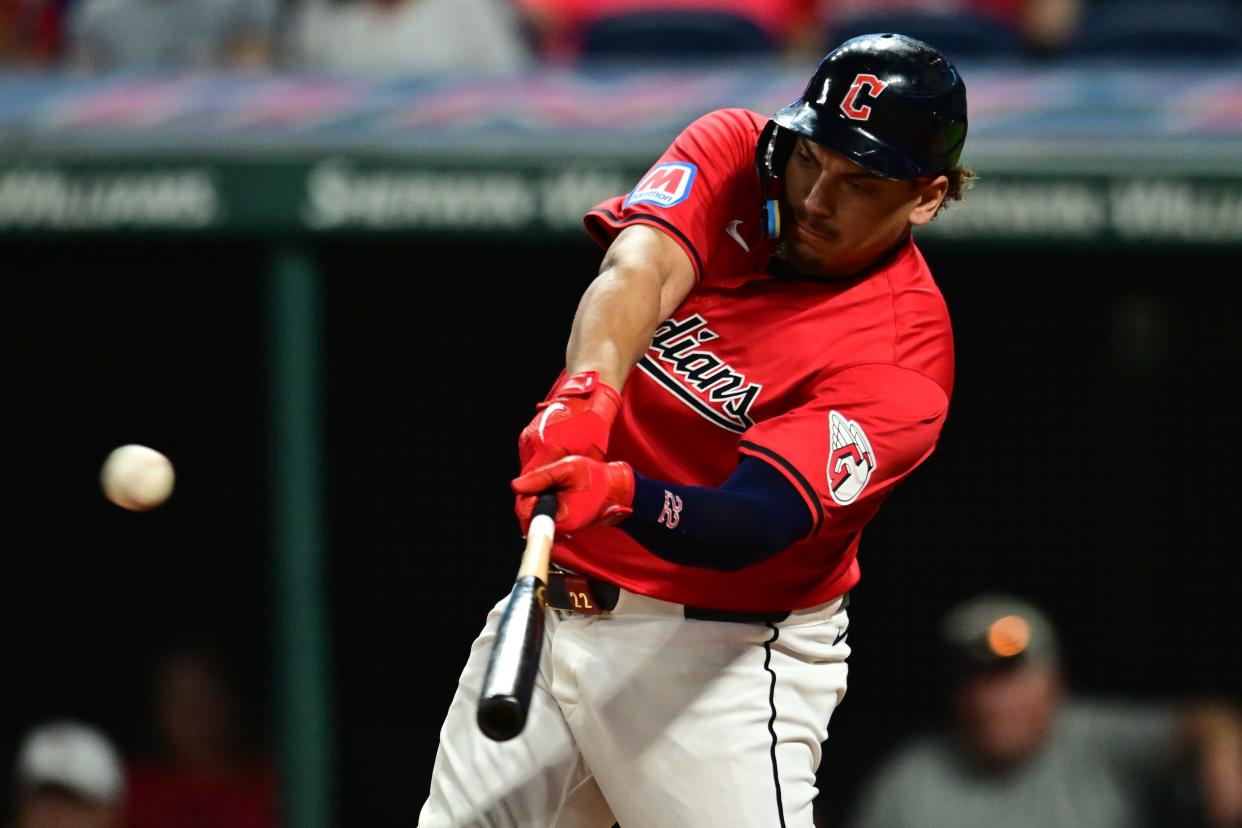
x=752, y=516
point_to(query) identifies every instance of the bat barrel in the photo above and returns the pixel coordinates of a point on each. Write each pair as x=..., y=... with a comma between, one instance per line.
x=514, y=664
x=510, y=678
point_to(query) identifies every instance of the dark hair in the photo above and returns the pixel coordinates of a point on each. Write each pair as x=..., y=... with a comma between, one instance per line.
x=961, y=179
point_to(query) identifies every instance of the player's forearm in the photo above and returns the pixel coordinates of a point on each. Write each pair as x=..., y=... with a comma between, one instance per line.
x=615, y=321
x=644, y=277
x=753, y=516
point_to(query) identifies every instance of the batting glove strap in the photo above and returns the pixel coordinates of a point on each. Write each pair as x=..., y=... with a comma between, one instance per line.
x=576, y=418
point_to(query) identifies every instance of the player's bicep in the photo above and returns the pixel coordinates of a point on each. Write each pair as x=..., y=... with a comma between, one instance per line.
x=648, y=253
x=844, y=451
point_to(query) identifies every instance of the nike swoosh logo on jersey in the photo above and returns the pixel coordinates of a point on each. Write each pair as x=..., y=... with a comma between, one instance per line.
x=731, y=229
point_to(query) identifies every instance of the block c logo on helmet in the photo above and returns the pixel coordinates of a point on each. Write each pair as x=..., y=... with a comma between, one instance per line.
x=850, y=105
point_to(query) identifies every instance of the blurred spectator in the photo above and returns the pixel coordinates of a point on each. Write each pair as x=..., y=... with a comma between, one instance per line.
x=30, y=32
x=1036, y=26
x=560, y=25
x=1149, y=30
x=170, y=34
x=408, y=36
x=1020, y=754
x=202, y=776
x=68, y=776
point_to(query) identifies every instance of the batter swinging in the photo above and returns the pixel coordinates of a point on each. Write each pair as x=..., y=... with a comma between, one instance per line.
x=762, y=358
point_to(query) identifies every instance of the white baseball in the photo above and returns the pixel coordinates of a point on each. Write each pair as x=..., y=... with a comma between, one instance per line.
x=136, y=478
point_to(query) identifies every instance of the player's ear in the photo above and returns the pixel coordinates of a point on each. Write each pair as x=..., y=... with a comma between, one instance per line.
x=930, y=195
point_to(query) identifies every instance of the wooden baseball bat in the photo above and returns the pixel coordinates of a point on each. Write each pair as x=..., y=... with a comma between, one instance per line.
x=510, y=678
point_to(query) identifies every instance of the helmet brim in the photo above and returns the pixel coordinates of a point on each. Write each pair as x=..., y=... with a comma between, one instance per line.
x=849, y=139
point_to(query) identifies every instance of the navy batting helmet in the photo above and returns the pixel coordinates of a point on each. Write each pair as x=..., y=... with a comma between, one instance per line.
x=887, y=102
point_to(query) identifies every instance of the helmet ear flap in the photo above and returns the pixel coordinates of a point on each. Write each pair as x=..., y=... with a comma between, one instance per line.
x=772, y=153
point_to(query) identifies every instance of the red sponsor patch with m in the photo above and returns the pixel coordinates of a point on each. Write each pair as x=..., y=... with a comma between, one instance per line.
x=664, y=185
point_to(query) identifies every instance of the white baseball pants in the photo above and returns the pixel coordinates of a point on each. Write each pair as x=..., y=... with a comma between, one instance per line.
x=642, y=717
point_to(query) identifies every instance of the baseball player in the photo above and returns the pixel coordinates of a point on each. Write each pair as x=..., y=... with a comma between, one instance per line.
x=761, y=359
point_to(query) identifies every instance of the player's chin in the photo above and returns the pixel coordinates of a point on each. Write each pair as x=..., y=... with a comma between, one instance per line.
x=806, y=256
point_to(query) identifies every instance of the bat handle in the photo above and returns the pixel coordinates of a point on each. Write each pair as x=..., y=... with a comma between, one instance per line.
x=546, y=505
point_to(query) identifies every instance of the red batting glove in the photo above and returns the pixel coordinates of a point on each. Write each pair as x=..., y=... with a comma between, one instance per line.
x=589, y=492
x=575, y=419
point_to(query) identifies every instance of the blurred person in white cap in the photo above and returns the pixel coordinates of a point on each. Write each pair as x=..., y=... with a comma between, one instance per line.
x=1020, y=752
x=407, y=37
x=68, y=775
x=161, y=36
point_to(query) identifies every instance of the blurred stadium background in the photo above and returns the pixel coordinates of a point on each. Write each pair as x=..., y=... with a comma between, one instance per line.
x=331, y=287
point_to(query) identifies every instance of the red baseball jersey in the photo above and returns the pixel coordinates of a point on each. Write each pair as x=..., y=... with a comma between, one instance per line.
x=842, y=386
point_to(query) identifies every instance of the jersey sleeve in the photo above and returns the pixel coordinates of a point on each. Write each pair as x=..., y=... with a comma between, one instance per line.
x=864, y=429
x=703, y=180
